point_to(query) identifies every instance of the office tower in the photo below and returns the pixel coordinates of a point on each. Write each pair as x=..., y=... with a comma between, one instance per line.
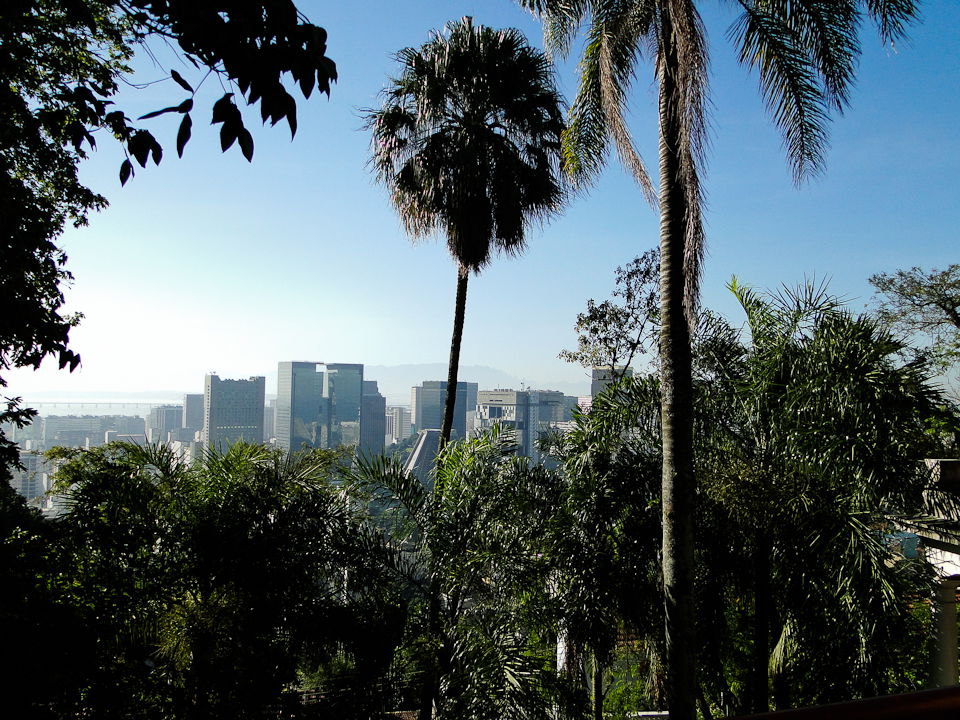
x=192, y=412
x=604, y=375
x=507, y=408
x=373, y=419
x=426, y=406
x=162, y=420
x=29, y=479
x=318, y=404
x=232, y=411
x=270, y=420
x=301, y=406
x=527, y=413
x=344, y=388
x=398, y=424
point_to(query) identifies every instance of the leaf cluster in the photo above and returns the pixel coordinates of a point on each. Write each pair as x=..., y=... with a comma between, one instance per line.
x=810, y=437
x=467, y=140
x=613, y=332
x=204, y=590
x=923, y=303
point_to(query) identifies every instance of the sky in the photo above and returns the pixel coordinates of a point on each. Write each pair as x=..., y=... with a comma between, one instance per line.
x=209, y=263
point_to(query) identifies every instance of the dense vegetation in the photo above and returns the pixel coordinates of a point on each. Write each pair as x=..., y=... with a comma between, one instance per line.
x=233, y=587
x=257, y=584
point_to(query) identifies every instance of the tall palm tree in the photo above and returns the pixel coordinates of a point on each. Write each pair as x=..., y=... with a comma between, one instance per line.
x=468, y=142
x=806, y=53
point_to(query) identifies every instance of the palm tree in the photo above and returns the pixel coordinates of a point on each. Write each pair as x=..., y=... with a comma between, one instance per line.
x=808, y=438
x=469, y=570
x=468, y=142
x=806, y=54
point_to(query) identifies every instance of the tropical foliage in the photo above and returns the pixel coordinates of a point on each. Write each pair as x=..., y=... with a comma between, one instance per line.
x=809, y=440
x=207, y=591
x=471, y=562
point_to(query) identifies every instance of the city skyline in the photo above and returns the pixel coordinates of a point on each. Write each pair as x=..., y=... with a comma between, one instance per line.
x=210, y=263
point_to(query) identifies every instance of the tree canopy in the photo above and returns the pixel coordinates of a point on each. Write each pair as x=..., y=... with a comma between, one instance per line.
x=613, y=332
x=923, y=303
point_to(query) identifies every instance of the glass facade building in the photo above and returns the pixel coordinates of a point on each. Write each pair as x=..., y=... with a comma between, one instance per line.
x=318, y=404
x=426, y=406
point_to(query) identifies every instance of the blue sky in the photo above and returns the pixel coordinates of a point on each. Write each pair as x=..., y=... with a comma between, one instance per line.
x=211, y=263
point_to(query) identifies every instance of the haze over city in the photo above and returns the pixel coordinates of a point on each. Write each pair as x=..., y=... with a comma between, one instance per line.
x=210, y=263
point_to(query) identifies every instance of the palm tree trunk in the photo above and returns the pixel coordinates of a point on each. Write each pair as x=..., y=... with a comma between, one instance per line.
x=597, y=688
x=431, y=683
x=458, y=315
x=762, y=615
x=676, y=411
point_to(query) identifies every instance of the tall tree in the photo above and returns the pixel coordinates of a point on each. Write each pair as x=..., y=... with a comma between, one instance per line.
x=468, y=142
x=806, y=55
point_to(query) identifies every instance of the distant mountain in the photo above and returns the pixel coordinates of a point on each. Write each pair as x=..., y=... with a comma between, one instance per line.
x=395, y=381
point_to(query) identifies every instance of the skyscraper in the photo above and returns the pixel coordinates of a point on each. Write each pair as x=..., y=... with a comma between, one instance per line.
x=373, y=419
x=232, y=411
x=192, y=412
x=426, y=406
x=318, y=404
x=527, y=413
x=603, y=376
x=398, y=423
x=301, y=406
x=344, y=388
x=162, y=420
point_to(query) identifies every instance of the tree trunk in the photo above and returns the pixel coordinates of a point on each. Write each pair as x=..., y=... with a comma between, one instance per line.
x=597, y=688
x=431, y=683
x=459, y=313
x=762, y=617
x=676, y=412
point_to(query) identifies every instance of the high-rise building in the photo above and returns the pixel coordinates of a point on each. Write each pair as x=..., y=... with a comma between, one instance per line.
x=232, y=411
x=398, y=424
x=506, y=408
x=344, y=388
x=527, y=413
x=373, y=419
x=318, y=404
x=192, y=413
x=270, y=420
x=162, y=420
x=426, y=406
x=301, y=406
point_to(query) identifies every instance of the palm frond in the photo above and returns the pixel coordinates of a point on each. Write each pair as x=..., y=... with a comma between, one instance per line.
x=789, y=83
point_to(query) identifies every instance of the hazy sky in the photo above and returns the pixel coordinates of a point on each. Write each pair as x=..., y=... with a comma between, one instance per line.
x=211, y=263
